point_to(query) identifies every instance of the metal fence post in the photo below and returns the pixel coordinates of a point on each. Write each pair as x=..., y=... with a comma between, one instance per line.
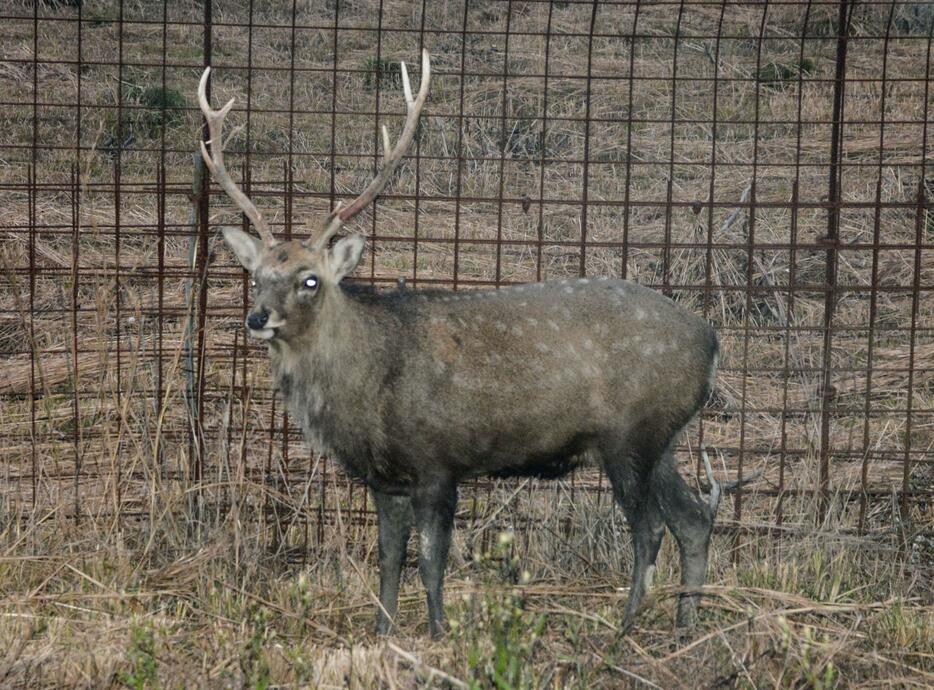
x=831, y=242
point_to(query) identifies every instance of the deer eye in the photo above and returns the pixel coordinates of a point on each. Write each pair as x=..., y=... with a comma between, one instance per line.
x=252, y=283
x=311, y=282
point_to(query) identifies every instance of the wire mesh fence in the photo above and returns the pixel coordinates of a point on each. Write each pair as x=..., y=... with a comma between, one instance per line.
x=764, y=164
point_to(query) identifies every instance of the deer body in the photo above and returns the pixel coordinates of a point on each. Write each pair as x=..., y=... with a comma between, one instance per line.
x=414, y=391
x=522, y=380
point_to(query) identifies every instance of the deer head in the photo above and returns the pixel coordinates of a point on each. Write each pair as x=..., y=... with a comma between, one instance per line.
x=291, y=278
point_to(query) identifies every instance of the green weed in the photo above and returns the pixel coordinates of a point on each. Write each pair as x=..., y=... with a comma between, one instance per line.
x=144, y=671
x=497, y=631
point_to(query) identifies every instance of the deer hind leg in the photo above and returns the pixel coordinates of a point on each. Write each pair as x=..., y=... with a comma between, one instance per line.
x=434, y=507
x=647, y=526
x=648, y=530
x=690, y=519
x=394, y=518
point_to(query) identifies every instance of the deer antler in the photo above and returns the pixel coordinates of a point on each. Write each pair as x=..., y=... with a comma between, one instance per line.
x=391, y=157
x=215, y=161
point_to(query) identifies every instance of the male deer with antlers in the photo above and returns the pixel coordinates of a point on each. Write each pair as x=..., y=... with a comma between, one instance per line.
x=414, y=391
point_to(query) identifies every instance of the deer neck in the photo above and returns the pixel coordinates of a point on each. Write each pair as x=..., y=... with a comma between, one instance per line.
x=324, y=375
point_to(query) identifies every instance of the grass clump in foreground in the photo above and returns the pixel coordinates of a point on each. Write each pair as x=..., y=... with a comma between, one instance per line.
x=140, y=658
x=495, y=627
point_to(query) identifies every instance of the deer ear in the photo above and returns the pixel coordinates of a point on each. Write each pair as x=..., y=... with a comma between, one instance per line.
x=245, y=246
x=345, y=255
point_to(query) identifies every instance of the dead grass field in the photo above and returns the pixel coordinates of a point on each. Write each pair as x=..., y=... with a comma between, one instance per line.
x=120, y=567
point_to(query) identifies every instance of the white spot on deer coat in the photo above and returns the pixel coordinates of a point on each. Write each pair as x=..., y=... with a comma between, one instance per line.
x=425, y=543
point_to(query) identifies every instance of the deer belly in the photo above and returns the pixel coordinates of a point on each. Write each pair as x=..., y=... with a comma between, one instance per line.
x=543, y=467
x=521, y=453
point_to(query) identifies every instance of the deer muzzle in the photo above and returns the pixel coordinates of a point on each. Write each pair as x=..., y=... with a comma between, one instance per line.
x=263, y=325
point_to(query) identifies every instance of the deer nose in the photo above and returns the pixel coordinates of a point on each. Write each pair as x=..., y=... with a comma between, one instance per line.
x=257, y=319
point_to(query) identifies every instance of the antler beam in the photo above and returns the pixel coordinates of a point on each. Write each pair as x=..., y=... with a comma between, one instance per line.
x=391, y=156
x=215, y=160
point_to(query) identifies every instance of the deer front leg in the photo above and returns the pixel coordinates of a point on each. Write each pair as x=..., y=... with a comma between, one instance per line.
x=434, y=506
x=394, y=520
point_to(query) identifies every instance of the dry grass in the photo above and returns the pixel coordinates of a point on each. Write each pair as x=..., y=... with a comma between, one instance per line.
x=170, y=601
x=119, y=566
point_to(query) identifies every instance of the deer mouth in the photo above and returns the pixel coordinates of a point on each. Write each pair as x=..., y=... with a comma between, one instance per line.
x=269, y=330
x=263, y=333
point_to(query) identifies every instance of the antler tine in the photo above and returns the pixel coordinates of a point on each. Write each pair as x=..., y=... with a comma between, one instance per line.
x=333, y=224
x=391, y=156
x=215, y=160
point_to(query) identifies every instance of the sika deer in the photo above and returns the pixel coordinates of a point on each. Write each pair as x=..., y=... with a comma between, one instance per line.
x=414, y=391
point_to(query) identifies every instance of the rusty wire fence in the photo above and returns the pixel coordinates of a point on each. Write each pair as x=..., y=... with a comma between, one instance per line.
x=765, y=164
